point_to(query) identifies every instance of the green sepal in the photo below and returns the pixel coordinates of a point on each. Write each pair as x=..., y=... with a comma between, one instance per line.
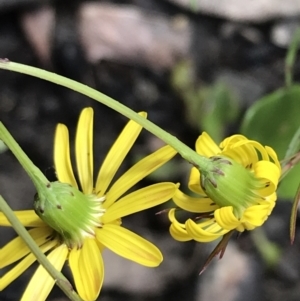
x=68, y=211
x=229, y=183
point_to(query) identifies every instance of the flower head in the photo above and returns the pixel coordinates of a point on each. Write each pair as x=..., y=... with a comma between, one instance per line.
x=238, y=193
x=84, y=218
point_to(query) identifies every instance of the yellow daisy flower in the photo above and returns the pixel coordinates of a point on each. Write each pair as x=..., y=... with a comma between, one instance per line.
x=238, y=194
x=80, y=225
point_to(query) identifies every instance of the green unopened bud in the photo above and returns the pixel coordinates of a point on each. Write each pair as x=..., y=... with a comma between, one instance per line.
x=68, y=211
x=228, y=183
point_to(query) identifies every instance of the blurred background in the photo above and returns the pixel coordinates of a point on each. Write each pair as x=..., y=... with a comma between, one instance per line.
x=193, y=65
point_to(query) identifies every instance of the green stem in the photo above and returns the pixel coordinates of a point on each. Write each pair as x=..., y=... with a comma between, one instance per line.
x=187, y=153
x=269, y=251
x=60, y=279
x=37, y=177
x=291, y=58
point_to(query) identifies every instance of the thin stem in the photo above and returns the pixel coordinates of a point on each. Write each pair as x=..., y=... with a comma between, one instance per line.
x=186, y=152
x=291, y=58
x=60, y=279
x=34, y=173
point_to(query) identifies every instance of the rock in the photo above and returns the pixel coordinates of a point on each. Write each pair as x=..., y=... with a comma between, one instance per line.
x=235, y=277
x=246, y=10
x=119, y=33
x=283, y=32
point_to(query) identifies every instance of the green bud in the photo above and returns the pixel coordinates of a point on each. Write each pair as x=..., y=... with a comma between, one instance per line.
x=228, y=183
x=68, y=211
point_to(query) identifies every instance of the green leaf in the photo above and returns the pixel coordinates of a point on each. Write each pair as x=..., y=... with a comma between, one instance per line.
x=273, y=121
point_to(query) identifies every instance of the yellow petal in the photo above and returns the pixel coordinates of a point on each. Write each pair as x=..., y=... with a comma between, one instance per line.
x=226, y=219
x=41, y=283
x=179, y=233
x=137, y=172
x=257, y=215
x=270, y=173
x=84, y=150
x=255, y=145
x=87, y=269
x=245, y=154
x=23, y=265
x=229, y=141
x=194, y=182
x=62, y=161
x=139, y=200
x=273, y=156
x=198, y=205
x=177, y=230
x=17, y=249
x=205, y=146
x=129, y=245
x=116, y=155
x=204, y=234
x=28, y=218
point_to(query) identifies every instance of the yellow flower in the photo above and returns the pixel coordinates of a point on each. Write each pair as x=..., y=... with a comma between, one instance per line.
x=238, y=194
x=100, y=227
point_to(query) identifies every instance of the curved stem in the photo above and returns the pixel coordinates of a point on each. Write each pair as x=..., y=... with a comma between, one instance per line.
x=187, y=153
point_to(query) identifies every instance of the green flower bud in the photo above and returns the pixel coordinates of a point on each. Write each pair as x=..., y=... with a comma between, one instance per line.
x=228, y=183
x=67, y=210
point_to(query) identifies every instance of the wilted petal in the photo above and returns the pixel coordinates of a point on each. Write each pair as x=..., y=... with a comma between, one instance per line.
x=140, y=200
x=84, y=150
x=87, y=269
x=129, y=245
x=139, y=171
x=41, y=283
x=116, y=155
x=62, y=160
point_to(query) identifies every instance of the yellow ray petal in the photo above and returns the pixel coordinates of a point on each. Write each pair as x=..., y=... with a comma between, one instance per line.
x=62, y=161
x=88, y=269
x=140, y=200
x=177, y=230
x=273, y=156
x=226, y=219
x=16, y=248
x=84, y=150
x=202, y=235
x=137, y=172
x=28, y=218
x=23, y=265
x=194, y=182
x=129, y=245
x=229, y=141
x=179, y=233
x=116, y=155
x=41, y=283
x=245, y=154
x=257, y=215
x=270, y=173
x=205, y=146
x=198, y=205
